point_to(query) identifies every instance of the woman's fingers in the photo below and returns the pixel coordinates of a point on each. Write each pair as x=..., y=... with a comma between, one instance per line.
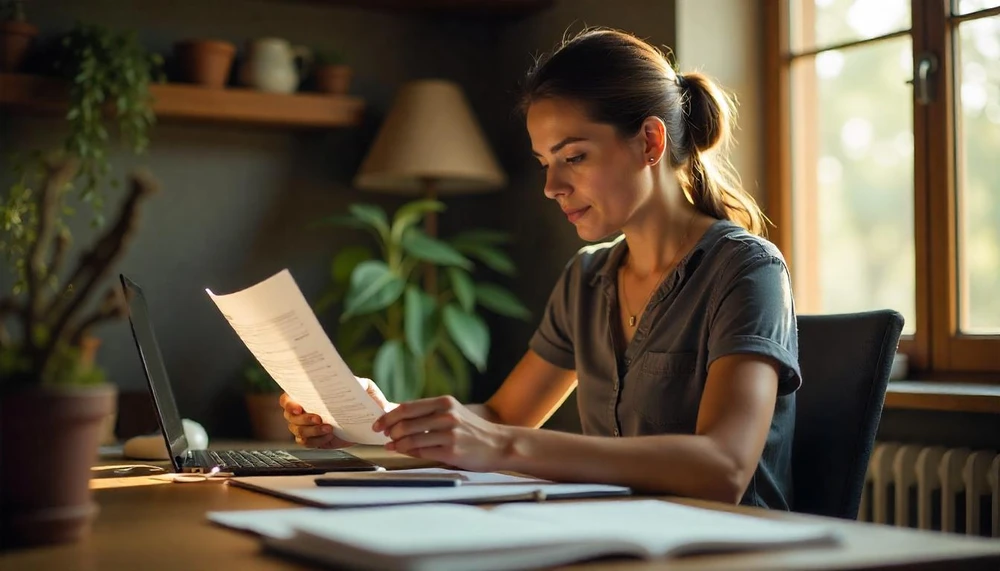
x=310, y=430
x=414, y=409
x=407, y=445
x=290, y=406
x=444, y=421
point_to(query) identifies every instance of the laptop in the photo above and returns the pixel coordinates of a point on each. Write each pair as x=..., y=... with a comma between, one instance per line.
x=237, y=462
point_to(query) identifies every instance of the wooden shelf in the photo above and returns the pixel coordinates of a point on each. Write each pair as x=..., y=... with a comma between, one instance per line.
x=36, y=94
x=952, y=397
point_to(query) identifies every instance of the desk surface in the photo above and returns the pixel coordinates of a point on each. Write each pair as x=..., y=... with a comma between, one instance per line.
x=162, y=525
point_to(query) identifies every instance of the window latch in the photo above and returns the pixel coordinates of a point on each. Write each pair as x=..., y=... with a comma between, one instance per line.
x=927, y=64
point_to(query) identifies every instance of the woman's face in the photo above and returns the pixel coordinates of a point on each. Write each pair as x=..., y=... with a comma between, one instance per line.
x=597, y=178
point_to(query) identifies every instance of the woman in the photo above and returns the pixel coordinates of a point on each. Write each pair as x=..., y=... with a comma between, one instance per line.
x=679, y=335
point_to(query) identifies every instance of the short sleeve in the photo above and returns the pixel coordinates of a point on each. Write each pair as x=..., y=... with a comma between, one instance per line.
x=755, y=313
x=553, y=340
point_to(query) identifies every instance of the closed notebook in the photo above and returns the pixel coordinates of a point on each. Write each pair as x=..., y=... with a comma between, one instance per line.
x=443, y=537
x=487, y=487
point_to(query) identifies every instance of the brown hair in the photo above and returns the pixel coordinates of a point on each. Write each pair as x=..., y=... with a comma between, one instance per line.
x=621, y=80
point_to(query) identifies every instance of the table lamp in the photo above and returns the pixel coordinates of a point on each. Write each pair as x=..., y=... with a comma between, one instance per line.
x=430, y=145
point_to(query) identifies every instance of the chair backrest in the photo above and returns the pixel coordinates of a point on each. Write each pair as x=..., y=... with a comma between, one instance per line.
x=845, y=361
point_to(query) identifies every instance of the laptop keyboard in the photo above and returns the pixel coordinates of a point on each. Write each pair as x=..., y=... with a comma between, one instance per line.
x=256, y=459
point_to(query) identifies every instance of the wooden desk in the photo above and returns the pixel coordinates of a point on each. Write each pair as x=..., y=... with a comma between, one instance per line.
x=152, y=524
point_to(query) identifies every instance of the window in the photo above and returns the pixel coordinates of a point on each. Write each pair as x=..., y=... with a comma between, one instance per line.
x=885, y=138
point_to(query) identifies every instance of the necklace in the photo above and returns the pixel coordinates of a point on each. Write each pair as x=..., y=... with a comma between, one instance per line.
x=633, y=317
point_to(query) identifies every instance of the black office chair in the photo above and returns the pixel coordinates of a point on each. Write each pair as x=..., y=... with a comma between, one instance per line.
x=845, y=361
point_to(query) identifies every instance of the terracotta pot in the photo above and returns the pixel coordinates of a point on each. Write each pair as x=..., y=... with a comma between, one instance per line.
x=15, y=39
x=88, y=356
x=335, y=79
x=205, y=62
x=267, y=419
x=45, y=497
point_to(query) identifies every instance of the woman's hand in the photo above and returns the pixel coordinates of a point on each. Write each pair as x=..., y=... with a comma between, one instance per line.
x=309, y=429
x=443, y=430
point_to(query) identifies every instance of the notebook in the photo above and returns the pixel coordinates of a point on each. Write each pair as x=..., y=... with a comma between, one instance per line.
x=444, y=537
x=477, y=487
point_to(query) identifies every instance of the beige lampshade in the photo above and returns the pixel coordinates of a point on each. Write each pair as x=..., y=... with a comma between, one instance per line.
x=430, y=134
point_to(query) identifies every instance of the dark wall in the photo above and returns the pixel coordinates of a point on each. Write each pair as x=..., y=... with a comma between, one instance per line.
x=236, y=200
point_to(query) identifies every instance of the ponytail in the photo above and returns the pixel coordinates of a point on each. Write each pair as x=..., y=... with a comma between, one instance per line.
x=711, y=182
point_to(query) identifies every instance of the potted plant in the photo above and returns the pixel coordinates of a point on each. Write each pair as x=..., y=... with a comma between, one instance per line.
x=16, y=35
x=331, y=72
x=267, y=419
x=411, y=339
x=45, y=378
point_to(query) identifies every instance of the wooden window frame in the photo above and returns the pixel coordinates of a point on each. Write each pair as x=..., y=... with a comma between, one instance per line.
x=937, y=350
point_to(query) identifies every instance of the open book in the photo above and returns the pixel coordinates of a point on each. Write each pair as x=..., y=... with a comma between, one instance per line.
x=277, y=325
x=442, y=537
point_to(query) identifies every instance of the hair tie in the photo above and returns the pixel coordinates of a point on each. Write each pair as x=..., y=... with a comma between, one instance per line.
x=681, y=81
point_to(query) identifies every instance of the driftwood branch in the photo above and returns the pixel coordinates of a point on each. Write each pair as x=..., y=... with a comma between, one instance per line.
x=112, y=307
x=58, y=175
x=58, y=254
x=97, y=263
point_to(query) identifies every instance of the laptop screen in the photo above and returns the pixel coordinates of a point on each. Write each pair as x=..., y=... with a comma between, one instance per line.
x=156, y=372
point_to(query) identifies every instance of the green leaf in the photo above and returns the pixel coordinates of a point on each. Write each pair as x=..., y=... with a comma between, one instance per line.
x=432, y=250
x=373, y=287
x=494, y=258
x=461, y=283
x=500, y=300
x=470, y=334
x=397, y=373
x=372, y=215
x=411, y=213
x=419, y=308
x=461, y=376
x=346, y=260
x=390, y=369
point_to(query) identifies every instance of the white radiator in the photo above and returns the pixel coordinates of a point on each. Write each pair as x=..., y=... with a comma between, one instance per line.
x=932, y=487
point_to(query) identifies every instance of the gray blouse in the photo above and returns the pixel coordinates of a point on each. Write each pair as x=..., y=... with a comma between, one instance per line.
x=730, y=294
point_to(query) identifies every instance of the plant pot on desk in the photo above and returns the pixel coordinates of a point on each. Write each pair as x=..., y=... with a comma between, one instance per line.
x=45, y=478
x=267, y=418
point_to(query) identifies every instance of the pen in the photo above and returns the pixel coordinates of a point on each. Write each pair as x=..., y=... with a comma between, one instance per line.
x=388, y=482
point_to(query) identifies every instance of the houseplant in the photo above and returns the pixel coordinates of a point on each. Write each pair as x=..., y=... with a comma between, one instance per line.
x=267, y=419
x=331, y=72
x=412, y=339
x=16, y=35
x=46, y=383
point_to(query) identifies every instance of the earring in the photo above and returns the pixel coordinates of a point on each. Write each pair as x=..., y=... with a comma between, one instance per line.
x=652, y=159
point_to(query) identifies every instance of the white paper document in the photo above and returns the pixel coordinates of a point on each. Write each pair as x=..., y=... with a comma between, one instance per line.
x=277, y=325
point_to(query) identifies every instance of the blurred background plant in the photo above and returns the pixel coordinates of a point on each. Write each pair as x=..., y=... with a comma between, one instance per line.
x=416, y=334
